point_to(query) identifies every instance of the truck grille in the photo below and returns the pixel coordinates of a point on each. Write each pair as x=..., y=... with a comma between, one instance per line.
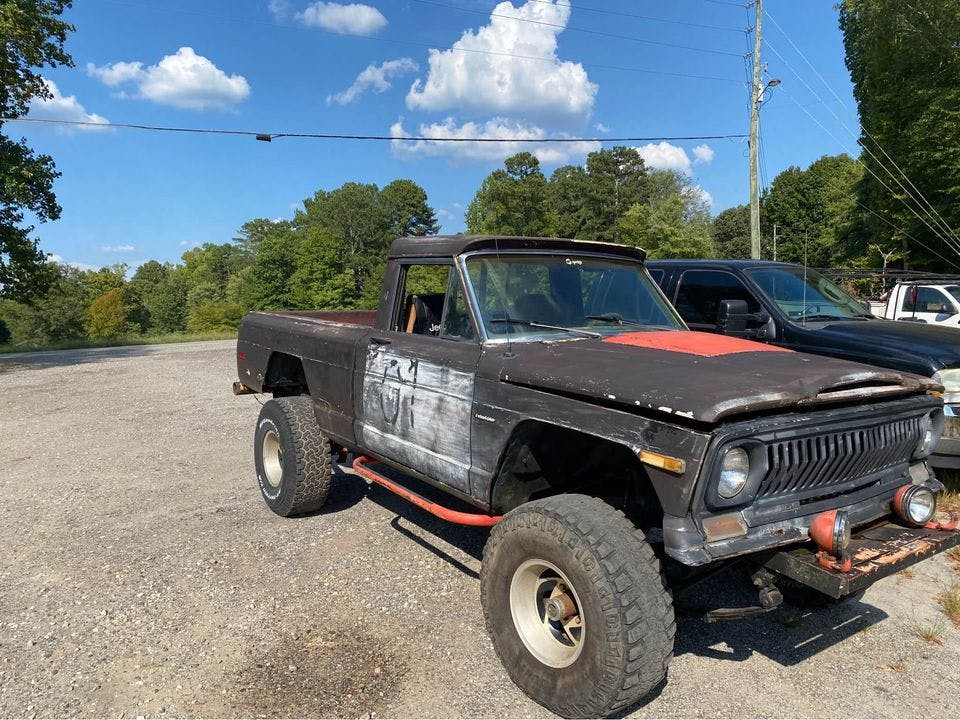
x=812, y=466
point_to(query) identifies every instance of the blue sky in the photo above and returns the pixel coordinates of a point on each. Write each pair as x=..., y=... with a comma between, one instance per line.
x=275, y=66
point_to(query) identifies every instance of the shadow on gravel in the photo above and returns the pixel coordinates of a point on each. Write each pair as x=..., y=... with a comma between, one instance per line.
x=67, y=358
x=786, y=635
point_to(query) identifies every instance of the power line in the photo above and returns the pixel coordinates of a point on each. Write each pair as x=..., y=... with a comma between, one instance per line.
x=582, y=8
x=872, y=173
x=937, y=231
x=927, y=207
x=570, y=28
x=899, y=229
x=413, y=43
x=268, y=136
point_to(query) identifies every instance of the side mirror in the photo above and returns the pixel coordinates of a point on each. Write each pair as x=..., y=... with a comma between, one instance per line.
x=732, y=317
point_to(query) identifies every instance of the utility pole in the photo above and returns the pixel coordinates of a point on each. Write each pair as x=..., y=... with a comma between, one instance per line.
x=774, y=242
x=755, y=97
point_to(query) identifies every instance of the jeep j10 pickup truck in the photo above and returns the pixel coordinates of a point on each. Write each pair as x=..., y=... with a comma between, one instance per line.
x=548, y=387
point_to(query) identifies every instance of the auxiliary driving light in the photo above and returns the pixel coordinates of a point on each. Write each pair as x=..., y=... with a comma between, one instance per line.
x=915, y=504
x=830, y=530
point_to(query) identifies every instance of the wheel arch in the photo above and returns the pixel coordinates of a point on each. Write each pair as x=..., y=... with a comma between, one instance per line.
x=285, y=375
x=541, y=459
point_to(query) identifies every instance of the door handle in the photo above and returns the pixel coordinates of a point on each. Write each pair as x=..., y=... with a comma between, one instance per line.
x=379, y=341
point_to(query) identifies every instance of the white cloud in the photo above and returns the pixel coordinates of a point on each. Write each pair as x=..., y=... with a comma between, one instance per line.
x=118, y=248
x=526, y=136
x=463, y=79
x=280, y=9
x=183, y=80
x=354, y=18
x=445, y=214
x=664, y=156
x=60, y=107
x=55, y=258
x=600, y=127
x=374, y=77
x=704, y=154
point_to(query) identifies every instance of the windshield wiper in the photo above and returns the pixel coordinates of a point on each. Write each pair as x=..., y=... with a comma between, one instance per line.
x=533, y=323
x=617, y=318
x=821, y=316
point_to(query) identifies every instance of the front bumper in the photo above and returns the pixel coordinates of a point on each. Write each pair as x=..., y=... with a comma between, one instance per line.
x=947, y=453
x=877, y=552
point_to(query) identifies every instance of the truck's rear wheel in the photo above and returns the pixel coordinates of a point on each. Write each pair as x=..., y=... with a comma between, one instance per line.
x=292, y=457
x=575, y=603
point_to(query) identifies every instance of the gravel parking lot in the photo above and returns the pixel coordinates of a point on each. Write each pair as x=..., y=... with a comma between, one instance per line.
x=142, y=575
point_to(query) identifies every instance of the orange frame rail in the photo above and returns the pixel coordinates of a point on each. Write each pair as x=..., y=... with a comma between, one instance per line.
x=460, y=518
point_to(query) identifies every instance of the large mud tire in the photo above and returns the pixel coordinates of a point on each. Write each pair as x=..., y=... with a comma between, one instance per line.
x=624, y=610
x=292, y=457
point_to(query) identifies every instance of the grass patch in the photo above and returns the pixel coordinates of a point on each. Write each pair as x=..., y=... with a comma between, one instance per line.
x=954, y=554
x=950, y=604
x=120, y=341
x=930, y=633
x=950, y=497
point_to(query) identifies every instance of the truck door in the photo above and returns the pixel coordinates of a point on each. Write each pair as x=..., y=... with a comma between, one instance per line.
x=418, y=378
x=925, y=304
x=700, y=292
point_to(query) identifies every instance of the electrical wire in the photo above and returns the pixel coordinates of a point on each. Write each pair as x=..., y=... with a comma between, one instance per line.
x=570, y=28
x=923, y=202
x=268, y=136
x=618, y=13
x=413, y=43
x=871, y=172
x=899, y=229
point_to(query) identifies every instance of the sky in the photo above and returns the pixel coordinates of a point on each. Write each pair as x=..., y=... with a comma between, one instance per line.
x=405, y=68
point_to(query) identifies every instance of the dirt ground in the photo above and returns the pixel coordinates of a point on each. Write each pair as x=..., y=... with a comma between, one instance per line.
x=142, y=575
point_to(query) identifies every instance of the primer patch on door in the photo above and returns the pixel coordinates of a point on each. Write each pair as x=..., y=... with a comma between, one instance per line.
x=418, y=413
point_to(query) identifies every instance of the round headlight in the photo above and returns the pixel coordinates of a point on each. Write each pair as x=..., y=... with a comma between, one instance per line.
x=931, y=427
x=916, y=504
x=733, y=472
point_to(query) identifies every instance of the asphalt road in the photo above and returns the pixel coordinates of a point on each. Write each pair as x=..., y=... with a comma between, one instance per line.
x=142, y=575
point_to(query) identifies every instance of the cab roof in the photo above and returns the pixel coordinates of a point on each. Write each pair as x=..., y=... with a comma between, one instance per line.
x=450, y=246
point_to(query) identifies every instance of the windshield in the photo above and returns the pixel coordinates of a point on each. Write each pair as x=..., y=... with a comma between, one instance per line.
x=806, y=295
x=537, y=296
x=954, y=290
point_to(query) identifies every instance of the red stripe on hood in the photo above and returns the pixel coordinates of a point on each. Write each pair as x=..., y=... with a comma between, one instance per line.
x=692, y=343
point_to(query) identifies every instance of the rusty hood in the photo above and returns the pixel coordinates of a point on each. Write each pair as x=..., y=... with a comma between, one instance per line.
x=700, y=376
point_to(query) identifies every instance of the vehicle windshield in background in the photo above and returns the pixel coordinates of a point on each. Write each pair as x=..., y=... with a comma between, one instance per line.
x=954, y=290
x=806, y=295
x=535, y=296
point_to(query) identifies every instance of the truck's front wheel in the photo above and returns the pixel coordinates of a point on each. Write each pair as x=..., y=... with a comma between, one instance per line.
x=576, y=605
x=292, y=457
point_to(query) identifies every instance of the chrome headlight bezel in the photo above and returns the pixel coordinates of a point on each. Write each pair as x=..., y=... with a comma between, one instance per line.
x=756, y=468
x=933, y=423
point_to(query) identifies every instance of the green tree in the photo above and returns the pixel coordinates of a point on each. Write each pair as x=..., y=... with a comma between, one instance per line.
x=618, y=181
x=904, y=62
x=168, y=304
x=731, y=233
x=33, y=37
x=815, y=211
x=268, y=278
x=359, y=228
x=674, y=222
x=406, y=204
x=4, y=332
x=512, y=201
x=215, y=316
x=107, y=316
x=567, y=193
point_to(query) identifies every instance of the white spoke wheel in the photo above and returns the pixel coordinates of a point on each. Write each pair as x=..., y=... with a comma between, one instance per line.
x=576, y=606
x=546, y=613
x=292, y=457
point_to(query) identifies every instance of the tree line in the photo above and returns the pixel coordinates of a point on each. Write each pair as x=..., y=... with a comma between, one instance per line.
x=331, y=254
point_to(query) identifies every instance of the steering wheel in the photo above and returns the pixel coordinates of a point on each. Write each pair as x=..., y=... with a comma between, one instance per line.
x=809, y=310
